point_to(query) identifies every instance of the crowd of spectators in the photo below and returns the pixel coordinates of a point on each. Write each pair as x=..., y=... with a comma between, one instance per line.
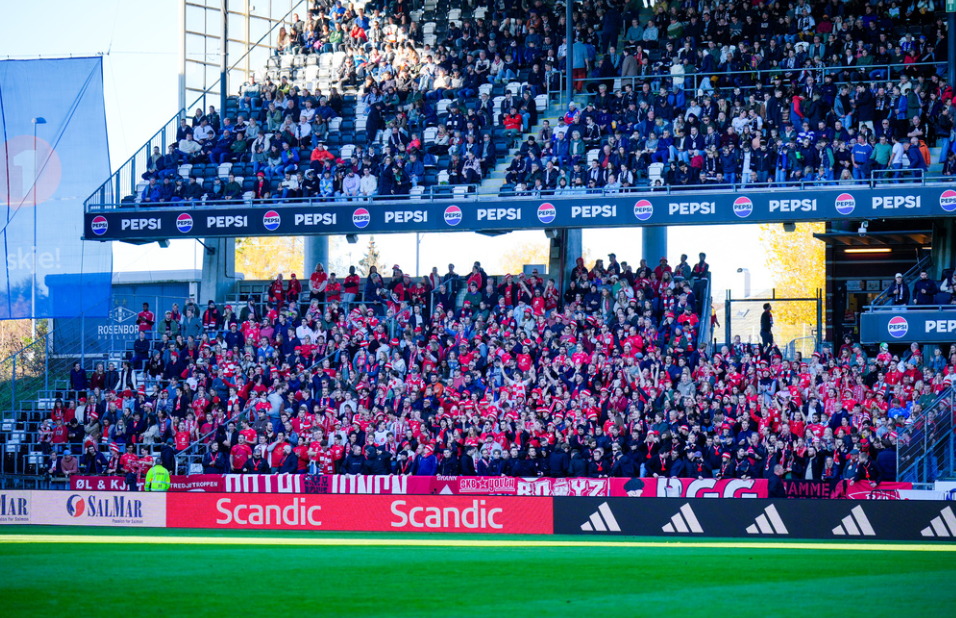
x=925, y=290
x=714, y=92
x=602, y=378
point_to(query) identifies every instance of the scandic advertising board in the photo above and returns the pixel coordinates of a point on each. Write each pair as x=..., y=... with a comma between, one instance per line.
x=613, y=210
x=872, y=519
x=360, y=513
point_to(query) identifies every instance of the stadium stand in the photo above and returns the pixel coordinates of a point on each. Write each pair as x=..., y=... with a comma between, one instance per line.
x=464, y=374
x=450, y=99
x=469, y=375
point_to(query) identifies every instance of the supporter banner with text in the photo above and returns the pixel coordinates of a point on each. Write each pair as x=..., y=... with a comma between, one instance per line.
x=196, y=482
x=361, y=513
x=758, y=519
x=517, y=213
x=688, y=488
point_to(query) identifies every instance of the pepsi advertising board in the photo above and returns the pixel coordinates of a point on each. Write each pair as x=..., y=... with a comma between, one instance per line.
x=908, y=325
x=517, y=213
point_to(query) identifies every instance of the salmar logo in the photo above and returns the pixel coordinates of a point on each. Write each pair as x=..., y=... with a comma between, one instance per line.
x=75, y=506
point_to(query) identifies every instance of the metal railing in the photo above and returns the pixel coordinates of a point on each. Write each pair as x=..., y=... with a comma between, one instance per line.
x=925, y=447
x=485, y=194
x=115, y=187
x=705, y=303
x=693, y=82
x=804, y=345
x=882, y=300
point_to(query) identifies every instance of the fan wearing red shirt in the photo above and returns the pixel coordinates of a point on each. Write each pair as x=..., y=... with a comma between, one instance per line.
x=294, y=290
x=277, y=291
x=239, y=455
x=336, y=452
x=333, y=289
x=317, y=283
x=145, y=319
x=182, y=437
x=302, y=452
x=350, y=286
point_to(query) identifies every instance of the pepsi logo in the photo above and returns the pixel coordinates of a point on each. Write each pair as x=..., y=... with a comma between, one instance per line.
x=947, y=201
x=643, y=210
x=271, y=220
x=453, y=215
x=184, y=223
x=743, y=207
x=361, y=218
x=99, y=225
x=547, y=213
x=845, y=203
x=897, y=327
x=75, y=506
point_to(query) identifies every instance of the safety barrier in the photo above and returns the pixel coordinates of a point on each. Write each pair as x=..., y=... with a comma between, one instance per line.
x=506, y=486
x=871, y=520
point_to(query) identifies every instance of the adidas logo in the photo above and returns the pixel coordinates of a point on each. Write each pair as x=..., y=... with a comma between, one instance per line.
x=855, y=524
x=684, y=521
x=601, y=520
x=768, y=522
x=942, y=526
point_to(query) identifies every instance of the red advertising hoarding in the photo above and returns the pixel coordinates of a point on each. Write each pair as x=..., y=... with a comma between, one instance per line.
x=360, y=513
x=196, y=482
x=688, y=488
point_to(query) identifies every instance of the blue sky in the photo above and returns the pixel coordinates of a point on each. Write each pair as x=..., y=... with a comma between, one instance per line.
x=140, y=71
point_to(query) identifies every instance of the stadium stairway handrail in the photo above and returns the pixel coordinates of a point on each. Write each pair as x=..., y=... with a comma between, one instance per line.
x=112, y=187
x=705, y=335
x=883, y=298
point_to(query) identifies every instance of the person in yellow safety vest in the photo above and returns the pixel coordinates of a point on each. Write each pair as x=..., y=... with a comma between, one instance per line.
x=157, y=479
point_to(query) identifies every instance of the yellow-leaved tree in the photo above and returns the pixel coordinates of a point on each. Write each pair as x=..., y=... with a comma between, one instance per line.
x=797, y=261
x=264, y=257
x=533, y=252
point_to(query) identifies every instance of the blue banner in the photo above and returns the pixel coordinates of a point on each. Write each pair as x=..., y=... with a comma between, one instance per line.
x=54, y=153
x=584, y=210
x=909, y=324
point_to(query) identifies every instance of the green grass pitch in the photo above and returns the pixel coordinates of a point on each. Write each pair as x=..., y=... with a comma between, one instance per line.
x=135, y=580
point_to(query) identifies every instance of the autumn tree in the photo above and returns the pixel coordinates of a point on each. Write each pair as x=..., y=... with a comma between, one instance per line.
x=535, y=252
x=265, y=257
x=797, y=262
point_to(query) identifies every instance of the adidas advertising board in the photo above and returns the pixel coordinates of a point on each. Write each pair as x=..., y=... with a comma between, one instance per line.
x=757, y=518
x=546, y=212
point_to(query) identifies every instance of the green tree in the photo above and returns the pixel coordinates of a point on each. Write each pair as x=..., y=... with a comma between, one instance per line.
x=371, y=258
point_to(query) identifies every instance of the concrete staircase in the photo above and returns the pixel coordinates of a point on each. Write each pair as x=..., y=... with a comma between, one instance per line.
x=496, y=178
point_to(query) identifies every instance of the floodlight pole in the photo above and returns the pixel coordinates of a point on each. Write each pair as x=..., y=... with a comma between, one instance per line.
x=36, y=176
